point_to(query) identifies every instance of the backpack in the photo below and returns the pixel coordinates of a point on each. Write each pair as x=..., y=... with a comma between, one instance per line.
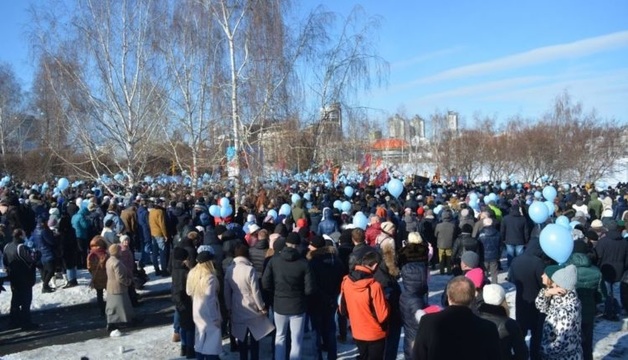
x=33, y=253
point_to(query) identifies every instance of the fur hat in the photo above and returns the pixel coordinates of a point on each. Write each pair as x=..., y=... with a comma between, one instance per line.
x=597, y=224
x=388, y=227
x=566, y=278
x=493, y=294
x=471, y=259
x=179, y=253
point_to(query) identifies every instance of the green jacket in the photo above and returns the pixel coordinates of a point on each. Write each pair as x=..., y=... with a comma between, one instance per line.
x=588, y=285
x=595, y=205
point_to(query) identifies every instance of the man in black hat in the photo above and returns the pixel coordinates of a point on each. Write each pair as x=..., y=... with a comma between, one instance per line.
x=289, y=278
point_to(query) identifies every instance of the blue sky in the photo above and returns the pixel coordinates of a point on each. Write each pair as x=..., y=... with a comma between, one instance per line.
x=495, y=58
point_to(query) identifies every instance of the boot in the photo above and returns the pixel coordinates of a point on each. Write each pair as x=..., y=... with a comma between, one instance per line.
x=47, y=289
x=191, y=354
x=184, y=350
x=71, y=283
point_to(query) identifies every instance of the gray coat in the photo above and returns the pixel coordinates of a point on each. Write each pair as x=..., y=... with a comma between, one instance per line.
x=243, y=298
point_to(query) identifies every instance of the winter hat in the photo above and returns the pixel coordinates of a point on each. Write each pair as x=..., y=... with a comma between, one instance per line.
x=250, y=218
x=566, y=278
x=205, y=254
x=471, y=259
x=253, y=228
x=220, y=229
x=493, y=294
x=476, y=276
x=429, y=214
x=487, y=222
x=301, y=223
x=464, y=213
x=388, y=227
x=317, y=242
x=293, y=238
x=607, y=213
x=54, y=211
x=414, y=238
x=597, y=224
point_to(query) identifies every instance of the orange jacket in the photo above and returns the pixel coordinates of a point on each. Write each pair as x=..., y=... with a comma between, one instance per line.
x=365, y=303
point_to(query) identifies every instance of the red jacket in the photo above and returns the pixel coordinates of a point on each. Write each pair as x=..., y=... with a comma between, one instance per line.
x=364, y=302
x=371, y=233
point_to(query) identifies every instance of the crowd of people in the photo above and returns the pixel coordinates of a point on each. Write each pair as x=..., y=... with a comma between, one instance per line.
x=258, y=273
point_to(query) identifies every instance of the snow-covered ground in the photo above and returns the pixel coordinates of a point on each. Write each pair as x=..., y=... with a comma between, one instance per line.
x=155, y=343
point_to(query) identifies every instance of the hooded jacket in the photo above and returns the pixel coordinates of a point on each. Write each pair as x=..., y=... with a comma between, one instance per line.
x=489, y=237
x=81, y=224
x=526, y=272
x=587, y=285
x=328, y=225
x=364, y=301
x=289, y=277
x=595, y=206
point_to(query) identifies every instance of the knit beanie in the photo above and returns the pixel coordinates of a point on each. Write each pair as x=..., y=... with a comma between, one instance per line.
x=566, y=278
x=493, y=294
x=471, y=259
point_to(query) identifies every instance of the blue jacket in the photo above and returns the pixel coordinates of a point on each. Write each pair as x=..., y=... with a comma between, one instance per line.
x=415, y=290
x=490, y=237
x=81, y=224
x=142, y=222
x=118, y=225
x=44, y=241
x=328, y=225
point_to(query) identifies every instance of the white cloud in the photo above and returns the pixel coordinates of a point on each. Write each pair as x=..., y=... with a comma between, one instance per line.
x=541, y=55
x=425, y=57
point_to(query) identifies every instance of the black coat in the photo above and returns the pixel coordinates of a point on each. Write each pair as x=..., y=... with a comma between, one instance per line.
x=612, y=255
x=489, y=237
x=182, y=301
x=415, y=290
x=514, y=228
x=328, y=272
x=20, y=266
x=257, y=255
x=289, y=277
x=526, y=272
x=456, y=333
x=511, y=340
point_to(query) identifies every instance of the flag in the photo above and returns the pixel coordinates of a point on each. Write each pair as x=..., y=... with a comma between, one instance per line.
x=381, y=178
x=366, y=163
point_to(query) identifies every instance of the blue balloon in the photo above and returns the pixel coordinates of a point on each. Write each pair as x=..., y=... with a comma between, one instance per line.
x=519, y=186
x=307, y=196
x=549, y=193
x=550, y=207
x=566, y=187
x=295, y=198
x=395, y=187
x=272, y=213
x=503, y=185
x=118, y=177
x=439, y=190
x=348, y=191
x=224, y=202
x=493, y=197
x=285, y=209
x=214, y=211
x=557, y=242
x=360, y=220
x=338, y=204
x=226, y=211
x=346, y=206
x=538, y=212
x=473, y=196
x=438, y=209
x=537, y=195
x=63, y=184
x=562, y=221
x=573, y=224
x=544, y=178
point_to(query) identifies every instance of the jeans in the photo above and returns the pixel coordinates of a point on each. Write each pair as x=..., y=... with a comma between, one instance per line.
x=145, y=251
x=248, y=343
x=371, y=350
x=491, y=267
x=159, y=253
x=297, y=325
x=200, y=356
x=71, y=274
x=324, y=324
x=611, y=308
x=187, y=337
x=513, y=251
x=21, y=298
x=176, y=322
